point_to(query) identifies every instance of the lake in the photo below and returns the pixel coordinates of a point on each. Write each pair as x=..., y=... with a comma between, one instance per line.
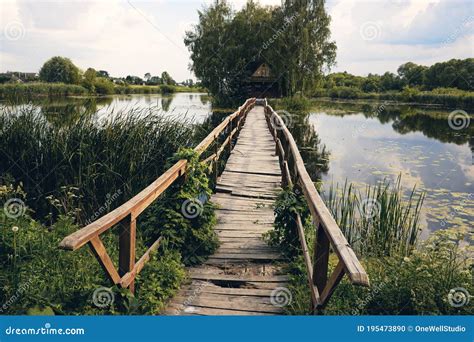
x=366, y=143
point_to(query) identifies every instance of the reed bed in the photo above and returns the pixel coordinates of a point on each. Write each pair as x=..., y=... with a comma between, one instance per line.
x=380, y=220
x=94, y=158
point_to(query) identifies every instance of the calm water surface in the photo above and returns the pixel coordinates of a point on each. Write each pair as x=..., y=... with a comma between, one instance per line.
x=366, y=146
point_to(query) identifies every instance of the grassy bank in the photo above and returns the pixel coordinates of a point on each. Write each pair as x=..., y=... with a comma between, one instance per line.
x=41, y=89
x=31, y=90
x=444, y=97
x=407, y=277
x=76, y=174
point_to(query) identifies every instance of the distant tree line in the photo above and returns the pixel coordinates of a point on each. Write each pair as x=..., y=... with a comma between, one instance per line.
x=455, y=73
x=62, y=70
x=293, y=39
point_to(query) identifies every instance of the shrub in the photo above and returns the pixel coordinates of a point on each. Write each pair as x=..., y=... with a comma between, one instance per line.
x=187, y=207
x=345, y=92
x=167, y=89
x=406, y=279
x=59, y=69
x=295, y=103
x=103, y=86
x=418, y=284
x=30, y=90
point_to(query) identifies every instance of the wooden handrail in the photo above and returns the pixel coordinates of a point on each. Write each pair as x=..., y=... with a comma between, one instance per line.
x=130, y=210
x=328, y=232
x=135, y=205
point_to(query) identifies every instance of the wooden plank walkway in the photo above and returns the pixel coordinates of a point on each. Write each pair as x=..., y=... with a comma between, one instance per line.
x=240, y=277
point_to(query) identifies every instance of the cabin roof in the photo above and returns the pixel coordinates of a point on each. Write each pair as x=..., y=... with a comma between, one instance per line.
x=262, y=72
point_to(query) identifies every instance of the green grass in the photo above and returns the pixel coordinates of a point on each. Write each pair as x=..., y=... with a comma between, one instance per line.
x=27, y=90
x=36, y=277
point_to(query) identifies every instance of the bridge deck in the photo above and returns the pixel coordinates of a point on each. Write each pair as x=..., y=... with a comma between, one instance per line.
x=240, y=277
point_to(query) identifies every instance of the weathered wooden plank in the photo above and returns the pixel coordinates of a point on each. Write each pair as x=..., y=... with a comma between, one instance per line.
x=213, y=289
x=248, y=255
x=104, y=259
x=232, y=278
x=229, y=303
x=176, y=309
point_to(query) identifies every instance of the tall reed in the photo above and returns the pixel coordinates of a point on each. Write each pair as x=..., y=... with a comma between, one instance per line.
x=380, y=220
x=111, y=156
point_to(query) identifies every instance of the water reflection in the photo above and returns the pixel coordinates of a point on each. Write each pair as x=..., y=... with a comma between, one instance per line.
x=314, y=154
x=65, y=111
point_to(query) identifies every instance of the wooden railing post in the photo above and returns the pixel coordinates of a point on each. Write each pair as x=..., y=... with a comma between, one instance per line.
x=230, y=136
x=127, y=238
x=216, y=172
x=321, y=258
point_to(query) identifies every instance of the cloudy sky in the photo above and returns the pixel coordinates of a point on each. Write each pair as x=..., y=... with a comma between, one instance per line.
x=137, y=36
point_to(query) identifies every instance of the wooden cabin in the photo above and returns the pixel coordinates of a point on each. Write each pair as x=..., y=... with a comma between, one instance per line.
x=262, y=82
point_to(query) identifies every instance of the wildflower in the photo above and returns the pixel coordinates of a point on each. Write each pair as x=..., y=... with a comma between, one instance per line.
x=15, y=229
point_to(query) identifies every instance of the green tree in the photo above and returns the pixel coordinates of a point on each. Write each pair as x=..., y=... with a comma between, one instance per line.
x=89, y=78
x=305, y=45
x=59, y=69
x=390, y=81
x=104, y=86
x=167, y=79
x=371, y=83
x=227, y=46
x=103, y=73
x=412, y=74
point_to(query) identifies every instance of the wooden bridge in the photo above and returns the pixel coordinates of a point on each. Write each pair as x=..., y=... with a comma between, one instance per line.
x=245, y=276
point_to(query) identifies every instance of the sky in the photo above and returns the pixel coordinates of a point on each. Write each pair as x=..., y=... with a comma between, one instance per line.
x=133, y=37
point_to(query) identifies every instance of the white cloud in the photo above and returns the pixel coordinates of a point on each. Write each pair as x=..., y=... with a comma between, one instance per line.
x=423, y=32
x=137, y=36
